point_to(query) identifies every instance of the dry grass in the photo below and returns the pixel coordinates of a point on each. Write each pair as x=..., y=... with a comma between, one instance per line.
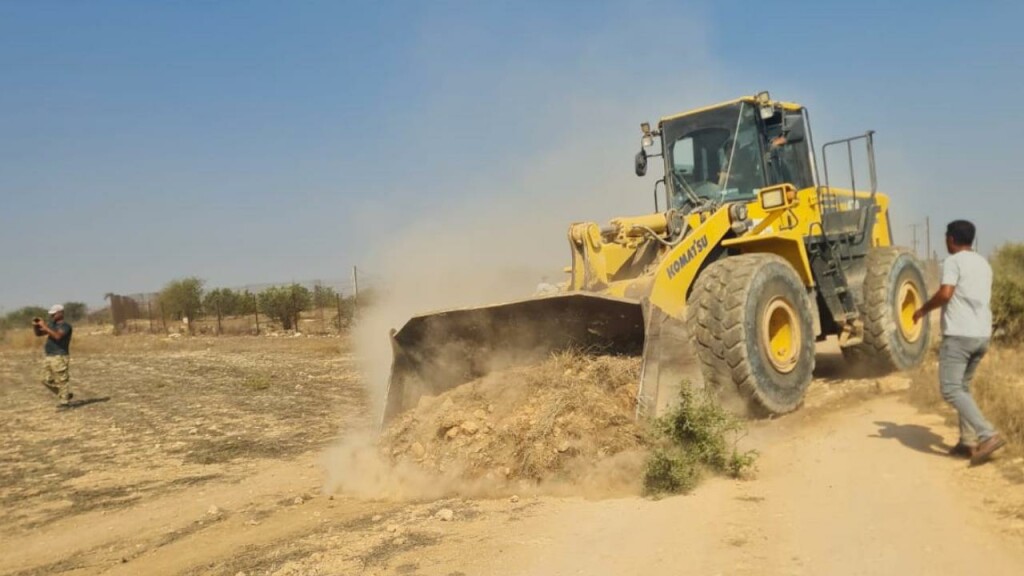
x=156, y=414
x=20, y=340
x=91, y=339
x=998, y=388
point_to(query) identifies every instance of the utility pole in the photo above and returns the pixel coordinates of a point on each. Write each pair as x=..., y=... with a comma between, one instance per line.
x=928, y=237
x=913, y=227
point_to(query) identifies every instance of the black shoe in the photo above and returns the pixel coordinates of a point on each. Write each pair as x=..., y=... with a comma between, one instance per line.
x=962, y=450
x=986, y=448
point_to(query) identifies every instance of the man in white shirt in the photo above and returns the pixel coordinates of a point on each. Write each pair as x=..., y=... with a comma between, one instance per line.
x=964, y=295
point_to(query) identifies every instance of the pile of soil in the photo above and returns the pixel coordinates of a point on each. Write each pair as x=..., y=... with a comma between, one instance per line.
x=557, y=420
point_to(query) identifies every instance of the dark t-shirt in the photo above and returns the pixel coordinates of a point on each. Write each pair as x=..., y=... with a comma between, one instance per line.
x=60, y=347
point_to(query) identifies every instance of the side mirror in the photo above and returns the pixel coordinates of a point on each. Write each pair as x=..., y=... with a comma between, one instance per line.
x=793, y=128
x=640, y=162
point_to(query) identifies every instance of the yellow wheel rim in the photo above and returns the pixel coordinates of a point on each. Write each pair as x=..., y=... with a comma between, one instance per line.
x=781, y=334
x=908, y=299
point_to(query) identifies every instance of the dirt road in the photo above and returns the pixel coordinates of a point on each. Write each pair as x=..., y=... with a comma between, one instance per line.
x=857, y=483
x=867, y=490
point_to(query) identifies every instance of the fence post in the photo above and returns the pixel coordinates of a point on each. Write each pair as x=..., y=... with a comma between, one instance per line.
x=256, y=310
x=339, y=311
x=296, y=321
x=219, y=332
x=163, y=318
x=318, y=297
x=149, y=312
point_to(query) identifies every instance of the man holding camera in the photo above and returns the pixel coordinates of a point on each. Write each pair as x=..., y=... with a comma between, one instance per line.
x=57, y=352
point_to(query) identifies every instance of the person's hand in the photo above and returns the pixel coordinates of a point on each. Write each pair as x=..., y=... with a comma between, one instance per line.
x=918, y=314
x=37, y=321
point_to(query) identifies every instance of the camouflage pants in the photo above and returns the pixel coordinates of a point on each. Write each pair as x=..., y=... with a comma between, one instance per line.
x=56, y=376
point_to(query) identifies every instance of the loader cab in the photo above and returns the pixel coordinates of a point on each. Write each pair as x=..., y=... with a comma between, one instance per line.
x=726, y=153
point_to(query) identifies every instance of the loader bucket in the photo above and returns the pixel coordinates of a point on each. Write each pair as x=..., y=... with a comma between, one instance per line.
x=669, y=363
x=436, y=352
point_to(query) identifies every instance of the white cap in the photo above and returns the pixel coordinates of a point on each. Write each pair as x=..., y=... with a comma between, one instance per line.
x=56, y=308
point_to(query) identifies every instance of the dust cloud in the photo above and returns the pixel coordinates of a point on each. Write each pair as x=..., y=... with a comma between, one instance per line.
x=489, y=232
x=563, y=425
x=356, y=467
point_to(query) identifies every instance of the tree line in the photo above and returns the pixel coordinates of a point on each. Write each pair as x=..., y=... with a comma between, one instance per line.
x=22, y=317
x=187, y=298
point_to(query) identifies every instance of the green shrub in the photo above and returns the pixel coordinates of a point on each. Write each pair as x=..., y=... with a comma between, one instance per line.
x=227, y=302
x=22, y=317
x=671, y=471
x=183, y=298
x=285, y=303
x=75, y=311
x=697, y=434
x=1008, y=292
x=324, y=297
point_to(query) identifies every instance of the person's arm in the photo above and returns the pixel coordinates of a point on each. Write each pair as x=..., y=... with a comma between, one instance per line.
x=943, y=295
x=55, y=334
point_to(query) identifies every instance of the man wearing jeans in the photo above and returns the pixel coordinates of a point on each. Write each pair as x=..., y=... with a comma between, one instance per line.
x=964, y=295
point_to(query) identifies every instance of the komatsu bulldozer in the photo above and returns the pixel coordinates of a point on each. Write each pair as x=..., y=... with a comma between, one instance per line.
x=750, y=257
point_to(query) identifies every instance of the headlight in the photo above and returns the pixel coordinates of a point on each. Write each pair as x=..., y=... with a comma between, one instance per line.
x=772, y=199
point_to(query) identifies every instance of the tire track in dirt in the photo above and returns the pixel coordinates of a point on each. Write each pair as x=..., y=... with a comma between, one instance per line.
x=855, y=483
x=180, y=531
x=865, y=490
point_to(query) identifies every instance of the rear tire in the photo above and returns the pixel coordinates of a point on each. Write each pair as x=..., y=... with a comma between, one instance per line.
x=750, y=316
x=893, y=289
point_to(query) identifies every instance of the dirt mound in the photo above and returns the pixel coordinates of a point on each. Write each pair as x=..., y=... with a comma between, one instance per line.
x=562, y=420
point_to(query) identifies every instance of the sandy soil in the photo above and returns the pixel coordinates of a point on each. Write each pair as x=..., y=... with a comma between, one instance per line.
x=207, y=456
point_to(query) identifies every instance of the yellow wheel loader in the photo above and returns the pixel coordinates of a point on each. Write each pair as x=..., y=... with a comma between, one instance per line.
x=754, y=257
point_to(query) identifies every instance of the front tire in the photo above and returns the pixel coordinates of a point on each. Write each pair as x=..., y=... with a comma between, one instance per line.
x=753, y=328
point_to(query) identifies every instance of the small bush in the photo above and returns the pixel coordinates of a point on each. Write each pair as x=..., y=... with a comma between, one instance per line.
x=257, y=381
x=285, y=304
x=698, y=433
x=1008, y=292
x=225, y=302
x=183, y=298
x=671, y=471
x=75, y=311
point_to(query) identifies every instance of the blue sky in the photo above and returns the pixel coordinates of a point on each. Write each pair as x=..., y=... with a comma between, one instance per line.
x=249, y=142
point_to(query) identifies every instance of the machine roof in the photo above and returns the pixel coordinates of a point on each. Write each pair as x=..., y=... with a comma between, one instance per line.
x=749, y=99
